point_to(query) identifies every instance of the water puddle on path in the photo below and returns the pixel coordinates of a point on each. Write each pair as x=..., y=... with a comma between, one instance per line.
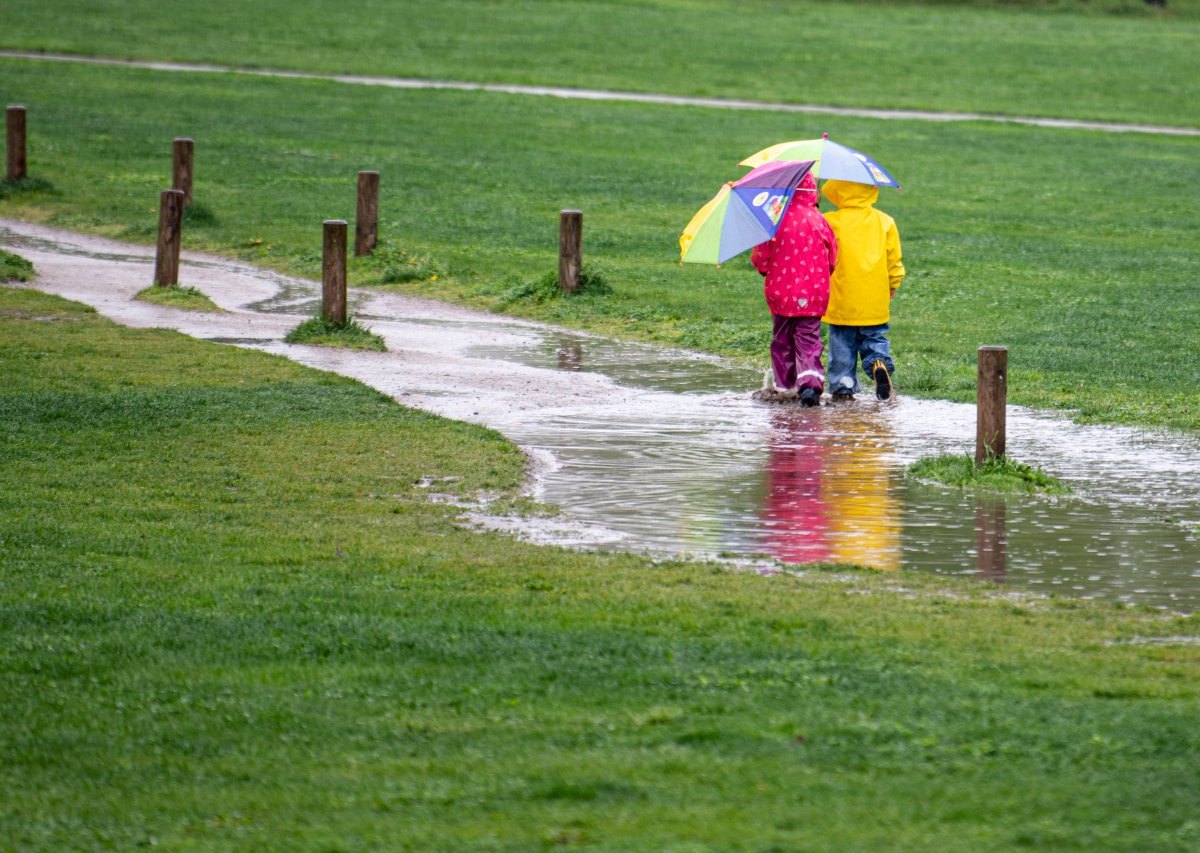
x=666, y=453
x=710, y=471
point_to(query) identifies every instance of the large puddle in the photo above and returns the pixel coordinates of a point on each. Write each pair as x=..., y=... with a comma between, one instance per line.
x=666, y=453
x=711, y=471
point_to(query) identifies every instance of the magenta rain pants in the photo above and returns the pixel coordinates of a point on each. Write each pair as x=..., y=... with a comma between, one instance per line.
x=796, y=353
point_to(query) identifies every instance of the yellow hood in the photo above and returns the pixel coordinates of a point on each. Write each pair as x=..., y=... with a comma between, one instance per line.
x=848, y=194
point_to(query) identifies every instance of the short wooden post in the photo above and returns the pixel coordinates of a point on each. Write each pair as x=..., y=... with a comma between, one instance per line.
x=333, y=272
x=170, y=232
x=570, y=249
x=366, y=222
x=992, y=396
x=181, y=167
x=15, y=141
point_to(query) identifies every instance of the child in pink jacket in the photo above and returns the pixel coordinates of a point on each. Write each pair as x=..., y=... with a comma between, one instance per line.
x=797, y=263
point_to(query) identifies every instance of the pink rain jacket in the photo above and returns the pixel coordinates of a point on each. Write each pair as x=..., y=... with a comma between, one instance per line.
x=798, y=260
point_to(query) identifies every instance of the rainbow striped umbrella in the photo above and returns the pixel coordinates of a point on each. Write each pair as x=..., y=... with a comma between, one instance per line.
x=742, y=214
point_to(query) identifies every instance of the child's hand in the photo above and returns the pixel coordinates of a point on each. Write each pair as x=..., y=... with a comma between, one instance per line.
x=891, y=293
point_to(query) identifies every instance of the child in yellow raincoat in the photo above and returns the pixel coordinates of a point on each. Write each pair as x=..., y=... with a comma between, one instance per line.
x=869, y=270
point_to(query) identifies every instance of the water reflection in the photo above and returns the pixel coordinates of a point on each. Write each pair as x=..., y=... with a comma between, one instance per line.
x=991, y=539
x=795, y=518
x=570, y=355
x=860, y=484
x=632, y=364
x=830, y=491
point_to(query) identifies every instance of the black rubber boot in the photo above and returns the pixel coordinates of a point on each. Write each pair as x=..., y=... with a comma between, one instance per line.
x=883, y=381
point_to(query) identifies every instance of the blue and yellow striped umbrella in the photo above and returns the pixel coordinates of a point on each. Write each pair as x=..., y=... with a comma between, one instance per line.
x=833, y=161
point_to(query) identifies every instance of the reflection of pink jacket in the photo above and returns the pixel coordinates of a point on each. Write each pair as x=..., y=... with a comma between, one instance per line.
x=795, y=519
x=797, y=261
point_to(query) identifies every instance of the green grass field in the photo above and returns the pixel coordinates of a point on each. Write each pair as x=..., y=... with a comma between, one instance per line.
x=231, y=618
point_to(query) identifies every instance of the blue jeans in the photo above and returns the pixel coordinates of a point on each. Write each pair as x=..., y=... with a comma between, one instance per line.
x=847, y=344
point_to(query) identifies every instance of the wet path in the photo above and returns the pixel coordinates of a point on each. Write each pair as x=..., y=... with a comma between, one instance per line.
x=666, y=453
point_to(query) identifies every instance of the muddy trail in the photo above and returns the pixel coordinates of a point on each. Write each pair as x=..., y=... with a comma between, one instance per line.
x=666, y=453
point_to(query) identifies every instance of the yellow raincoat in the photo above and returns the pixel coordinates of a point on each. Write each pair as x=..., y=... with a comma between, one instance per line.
x=869, y=265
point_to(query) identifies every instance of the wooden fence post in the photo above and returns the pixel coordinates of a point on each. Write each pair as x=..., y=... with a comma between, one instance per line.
x=15, y=141
x=181, y=167
x=992, y=396
x=170, y=228
x=333, y=272
x=570, y=249
x=366, y=222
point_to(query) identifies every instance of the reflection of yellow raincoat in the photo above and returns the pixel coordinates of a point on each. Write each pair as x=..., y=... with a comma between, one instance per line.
x=858, y=491
x=831, y=492
x=869, y=264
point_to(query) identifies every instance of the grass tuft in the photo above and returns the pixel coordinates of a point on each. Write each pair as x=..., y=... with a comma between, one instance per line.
x=26, y=186
x=994, y=475
x=322, y=331
x=593, y=281
x=199, y=215
x=14, y=267
x=174, y=296
x=396, y=266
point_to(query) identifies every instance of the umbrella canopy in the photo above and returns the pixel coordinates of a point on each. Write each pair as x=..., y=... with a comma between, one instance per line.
x=833, y=161
x=742, y=214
